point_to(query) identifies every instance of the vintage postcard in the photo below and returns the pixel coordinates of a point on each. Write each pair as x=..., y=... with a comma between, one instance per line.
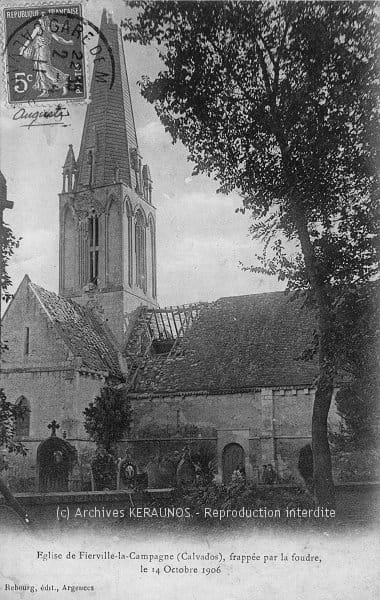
x=189, y=300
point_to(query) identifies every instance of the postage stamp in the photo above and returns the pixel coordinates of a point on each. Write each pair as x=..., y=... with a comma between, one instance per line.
x=44, y=53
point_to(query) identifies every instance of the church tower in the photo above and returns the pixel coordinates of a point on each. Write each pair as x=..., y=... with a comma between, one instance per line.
x=107, y=221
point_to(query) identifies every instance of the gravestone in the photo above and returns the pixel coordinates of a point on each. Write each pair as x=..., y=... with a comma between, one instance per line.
x=168, y=471
x=56, y=459
x=185, y=470
x=127, y=474
x=154, y=473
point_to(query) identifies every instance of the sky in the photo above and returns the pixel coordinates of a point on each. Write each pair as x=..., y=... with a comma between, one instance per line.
x=200, y=238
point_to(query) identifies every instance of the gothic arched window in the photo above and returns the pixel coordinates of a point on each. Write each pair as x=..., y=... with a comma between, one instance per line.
x=93, y=237
x=129, y=213
x=68, y=251
x=140, y=250
x=22, y=425
x=153, y=256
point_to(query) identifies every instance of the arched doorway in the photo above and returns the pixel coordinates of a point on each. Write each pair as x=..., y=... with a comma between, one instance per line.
x=233, y=457
x=55, y=460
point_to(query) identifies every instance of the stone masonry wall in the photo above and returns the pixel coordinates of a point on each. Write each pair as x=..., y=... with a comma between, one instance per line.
x=45, y=347
x=57, y=394
x=270, y=425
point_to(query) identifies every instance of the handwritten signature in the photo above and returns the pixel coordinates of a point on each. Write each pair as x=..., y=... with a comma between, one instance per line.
x=40, y=118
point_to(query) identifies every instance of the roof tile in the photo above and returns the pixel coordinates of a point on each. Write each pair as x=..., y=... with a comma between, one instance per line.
x=238, y=343
x=82, y=332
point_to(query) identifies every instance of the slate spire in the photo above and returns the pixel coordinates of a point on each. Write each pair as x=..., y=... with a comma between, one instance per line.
x=109, y=140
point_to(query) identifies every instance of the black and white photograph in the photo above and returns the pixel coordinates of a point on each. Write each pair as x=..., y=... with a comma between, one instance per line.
x=189, y=339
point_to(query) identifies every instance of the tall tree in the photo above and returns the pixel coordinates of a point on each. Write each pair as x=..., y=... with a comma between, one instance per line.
x=8, y=411
x=8, y=244
x=279, y=100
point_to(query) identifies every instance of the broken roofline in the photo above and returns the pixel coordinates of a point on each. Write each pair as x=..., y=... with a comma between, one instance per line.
x=236, y=344
x=66, y=317
x=171, y=322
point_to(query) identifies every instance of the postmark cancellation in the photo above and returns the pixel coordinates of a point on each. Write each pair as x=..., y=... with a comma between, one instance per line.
x=44, y=53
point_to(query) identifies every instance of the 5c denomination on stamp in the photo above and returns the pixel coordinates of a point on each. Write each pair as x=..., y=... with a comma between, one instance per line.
x=44, y=51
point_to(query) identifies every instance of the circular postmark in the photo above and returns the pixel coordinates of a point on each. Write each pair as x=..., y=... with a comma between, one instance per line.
x=45, y=52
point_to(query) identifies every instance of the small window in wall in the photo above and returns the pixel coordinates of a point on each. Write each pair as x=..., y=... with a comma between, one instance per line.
x=27, y=341
x=93, y=234
x=22, y=425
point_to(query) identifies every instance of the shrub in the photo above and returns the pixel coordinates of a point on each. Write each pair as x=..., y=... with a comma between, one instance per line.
x=240, y=495
x=109, y=417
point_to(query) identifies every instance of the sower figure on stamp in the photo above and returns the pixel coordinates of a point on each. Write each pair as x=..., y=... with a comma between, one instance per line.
x=37, y=48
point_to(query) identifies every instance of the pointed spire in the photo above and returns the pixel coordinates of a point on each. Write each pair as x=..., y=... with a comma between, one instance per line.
x=109, y=134
x=146, y=174
x=70, y=162
x=69, y=171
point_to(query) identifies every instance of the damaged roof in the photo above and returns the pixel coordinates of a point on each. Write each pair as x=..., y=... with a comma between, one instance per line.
x=236, y=343
x=81, y=331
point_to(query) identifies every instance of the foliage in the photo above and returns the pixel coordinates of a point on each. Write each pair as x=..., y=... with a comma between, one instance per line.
x=167, y=443
x=356, y=331
x=239, y=495
x=9, y=243
x=84, y=463
x=353, y=464
x=358, y=404
x=109, y=417
x=8, y=415
x=279, y=100
x=104, y=470
x=8, y=411
x=205, y=459
x=164, y=455
x=358, y=399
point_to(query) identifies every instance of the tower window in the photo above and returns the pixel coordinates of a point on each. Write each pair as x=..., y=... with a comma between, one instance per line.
x=153, y=257
x=93, y=234
x=130, y=255
x=140, y=248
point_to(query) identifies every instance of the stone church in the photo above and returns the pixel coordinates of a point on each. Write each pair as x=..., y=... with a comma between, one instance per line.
x=225, y=376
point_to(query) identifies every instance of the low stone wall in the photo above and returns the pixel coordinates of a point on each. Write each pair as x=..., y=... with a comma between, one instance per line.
x=357, y=503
